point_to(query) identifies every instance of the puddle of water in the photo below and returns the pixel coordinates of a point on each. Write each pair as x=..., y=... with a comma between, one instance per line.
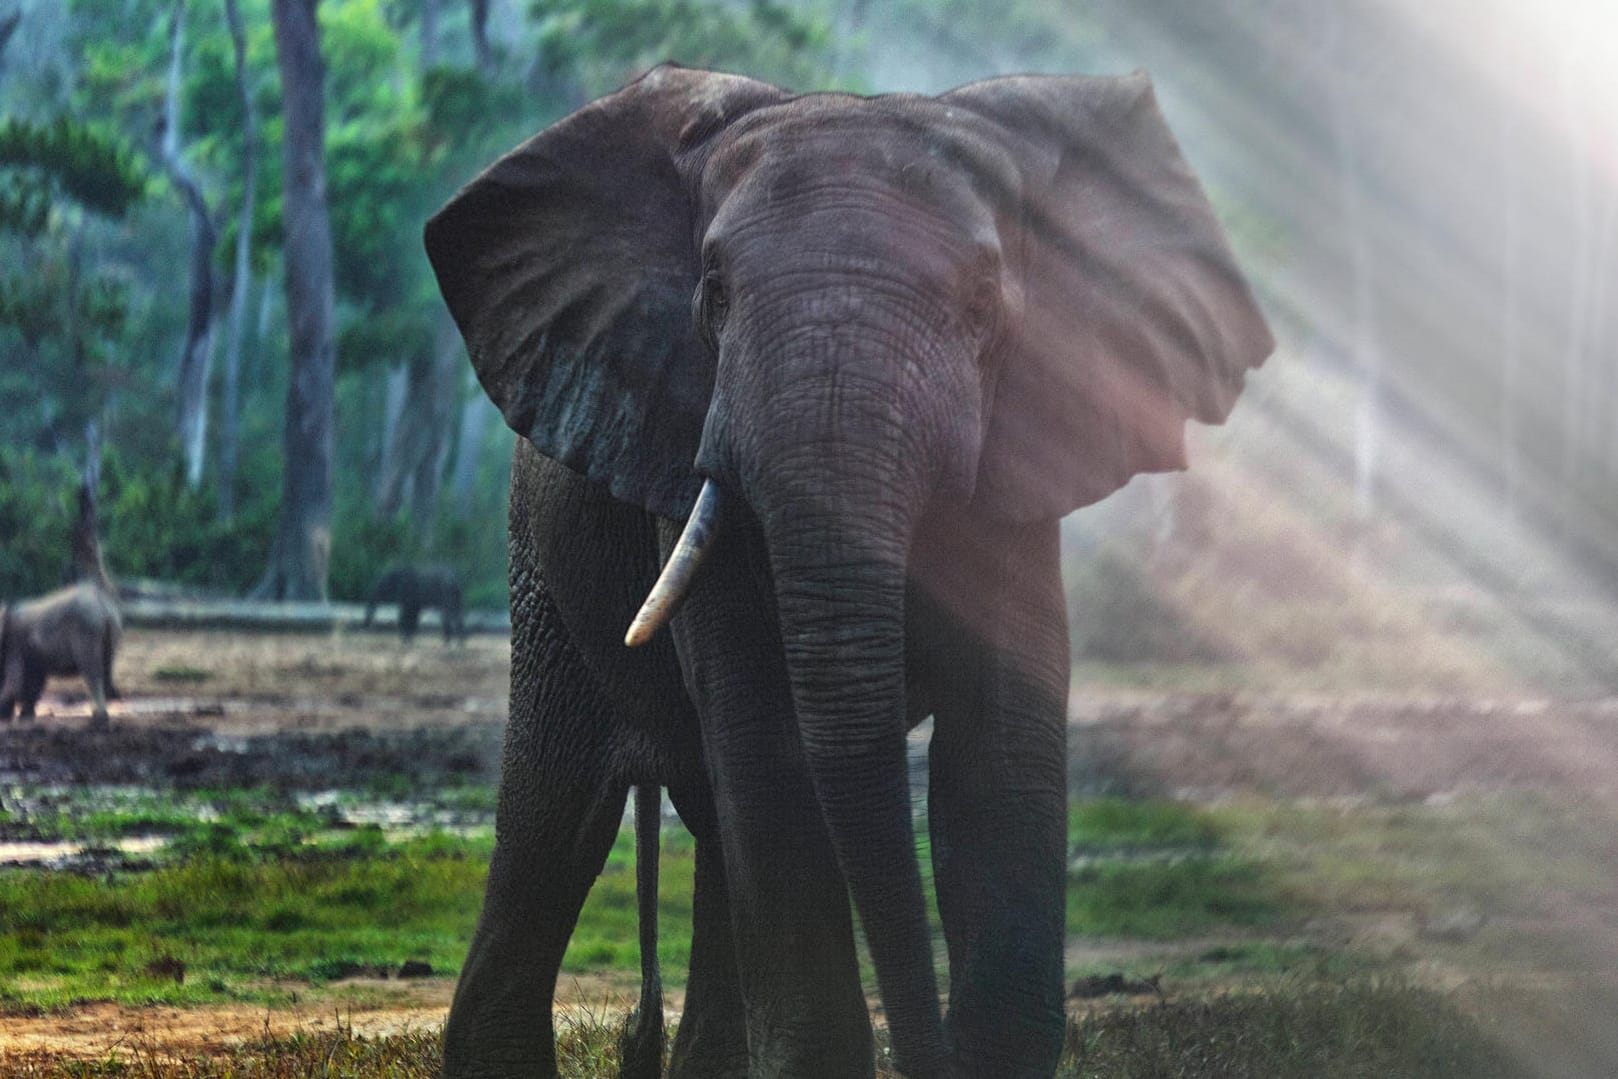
x=34, y=853
x=394, y=817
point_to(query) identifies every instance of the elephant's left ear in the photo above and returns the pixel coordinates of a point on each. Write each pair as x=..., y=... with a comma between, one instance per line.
x=1135, y=316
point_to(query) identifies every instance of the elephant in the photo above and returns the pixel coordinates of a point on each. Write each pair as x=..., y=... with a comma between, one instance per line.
x=74, y=630
x=838, y=365
x=414, y=588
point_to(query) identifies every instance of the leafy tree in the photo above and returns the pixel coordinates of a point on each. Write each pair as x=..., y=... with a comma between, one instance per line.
x=586, y=49
x=61, y=315
x=82, y=162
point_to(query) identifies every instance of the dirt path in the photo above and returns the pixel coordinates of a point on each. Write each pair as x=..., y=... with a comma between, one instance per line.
x=366, y=1007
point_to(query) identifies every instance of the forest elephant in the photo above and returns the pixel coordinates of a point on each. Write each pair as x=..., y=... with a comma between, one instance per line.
x=73, y=630
x=869, y=350
x=414, y=589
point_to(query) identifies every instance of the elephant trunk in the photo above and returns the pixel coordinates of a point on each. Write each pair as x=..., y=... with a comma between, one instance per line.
x=838, y=552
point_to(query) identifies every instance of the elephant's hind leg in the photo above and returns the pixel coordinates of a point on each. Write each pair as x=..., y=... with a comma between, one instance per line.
x=33, y=687
x=711, y=1040
x=90, y=656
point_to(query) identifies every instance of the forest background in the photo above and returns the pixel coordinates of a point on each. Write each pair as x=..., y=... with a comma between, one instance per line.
x=1425, y=195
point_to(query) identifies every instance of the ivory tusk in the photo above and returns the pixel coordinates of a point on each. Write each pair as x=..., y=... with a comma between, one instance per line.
x=680, y=569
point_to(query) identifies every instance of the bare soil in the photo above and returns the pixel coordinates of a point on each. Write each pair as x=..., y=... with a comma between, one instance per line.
x=303, y=711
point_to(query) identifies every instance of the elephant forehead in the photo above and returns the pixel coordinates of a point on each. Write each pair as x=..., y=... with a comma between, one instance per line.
x=901, y=144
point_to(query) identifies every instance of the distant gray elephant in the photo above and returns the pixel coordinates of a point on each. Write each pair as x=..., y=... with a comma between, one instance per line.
x=74, y=630
x=870, y=350
x=414, y=589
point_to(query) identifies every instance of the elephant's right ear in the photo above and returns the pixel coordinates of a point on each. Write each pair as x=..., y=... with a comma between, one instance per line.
x=570, y=264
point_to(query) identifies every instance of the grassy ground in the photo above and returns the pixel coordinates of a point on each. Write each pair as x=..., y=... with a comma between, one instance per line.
x=1357, y=1031
x=256, y=890
x=1203, y=940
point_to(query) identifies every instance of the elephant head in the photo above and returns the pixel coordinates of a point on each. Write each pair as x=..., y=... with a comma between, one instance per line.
x=841, y=313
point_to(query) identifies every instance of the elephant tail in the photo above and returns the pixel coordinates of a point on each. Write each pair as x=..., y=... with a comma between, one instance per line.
x=641, y=1047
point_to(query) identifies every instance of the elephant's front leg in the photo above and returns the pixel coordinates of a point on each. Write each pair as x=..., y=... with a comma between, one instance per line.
x=559, y=810
x=793, y=933
x=998, y=797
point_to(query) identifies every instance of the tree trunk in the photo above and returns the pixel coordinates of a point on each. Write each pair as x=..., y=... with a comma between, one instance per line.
x=477, y=416
x=417, y=436
x=231, y=405
x=480, y=36
x=302, y=541
x=92, y=453
x=197, y=353
x=429, y=33
x=393, y=396
x=8, y=26
x=414, y=462
x=84, y=544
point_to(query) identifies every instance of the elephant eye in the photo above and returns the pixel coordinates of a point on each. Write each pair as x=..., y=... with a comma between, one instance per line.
x=714, y=305
x=982, y=309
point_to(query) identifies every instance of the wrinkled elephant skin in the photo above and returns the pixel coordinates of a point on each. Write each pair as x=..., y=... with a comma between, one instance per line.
x=902, y=336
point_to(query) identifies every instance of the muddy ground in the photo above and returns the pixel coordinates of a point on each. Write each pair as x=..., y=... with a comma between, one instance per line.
x=332, y=711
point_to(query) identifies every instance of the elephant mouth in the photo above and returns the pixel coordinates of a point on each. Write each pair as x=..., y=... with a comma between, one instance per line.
x=680, y=569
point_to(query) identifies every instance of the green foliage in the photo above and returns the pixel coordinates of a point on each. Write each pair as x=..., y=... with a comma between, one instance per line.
x=361, y=546
x=97, y=312
x=600, y=44
x=85, y=162
x=152, y=525
x=35, y=517
x=463, y=108
x=156, y=526
x=61, y=325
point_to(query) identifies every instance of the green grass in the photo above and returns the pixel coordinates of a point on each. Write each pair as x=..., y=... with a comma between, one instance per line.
x=258, y=817
x=606, y=936
x=258, y=887
x=1363, y=1030
x=240, y=922
x=1110, y=824
x=1172, y=899
x=182, y=673
x=235, y=923
x=1158, y=870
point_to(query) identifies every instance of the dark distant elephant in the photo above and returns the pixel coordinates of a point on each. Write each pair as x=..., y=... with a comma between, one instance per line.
x=414, y=589
x=870, y=350
x=74, y=630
